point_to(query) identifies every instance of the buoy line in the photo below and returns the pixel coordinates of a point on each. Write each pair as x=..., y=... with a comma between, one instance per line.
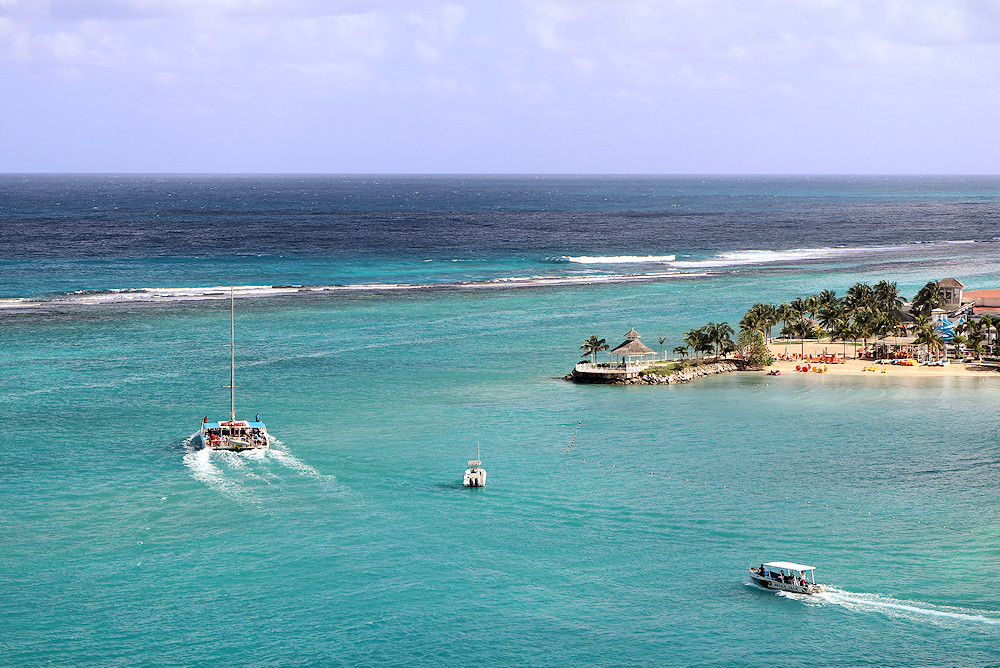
x=573, y=440
x=742, y=490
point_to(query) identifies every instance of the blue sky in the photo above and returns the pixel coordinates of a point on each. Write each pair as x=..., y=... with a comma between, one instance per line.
x=543, y=86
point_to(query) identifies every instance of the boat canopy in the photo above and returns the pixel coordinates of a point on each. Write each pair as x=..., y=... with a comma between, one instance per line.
x=248, y=425
x=788, y=566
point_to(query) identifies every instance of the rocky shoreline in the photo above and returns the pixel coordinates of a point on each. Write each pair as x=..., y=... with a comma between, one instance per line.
x=685, y=375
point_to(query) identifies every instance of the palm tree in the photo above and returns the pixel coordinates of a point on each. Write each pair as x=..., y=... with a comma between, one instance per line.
x=829, y=315
x=811, y=304
x=797, y=312
x=855, y=332
x=975, y=341
x=886, y=322
x=958, y=341
x=887, y=296
x=827, y=298
x=841, y=329
x=592, y=346
x=930, y=337
x=662, y=339
x=783, y=313
x=988, y=322
x=721, y=338
x=768, y=314
x=865, y=320
x=927, y=299
x=859, y=296
x=705, y=344
x=681, y=351
x=751, y=322
x=693, y=338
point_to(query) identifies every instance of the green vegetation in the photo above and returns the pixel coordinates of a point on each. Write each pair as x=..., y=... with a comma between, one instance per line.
x=753, y=349
x=712, y=338
x=592, y=346
x=864, y=313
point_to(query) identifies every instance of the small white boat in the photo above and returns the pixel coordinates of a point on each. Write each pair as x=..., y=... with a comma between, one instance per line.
x=233, y=434
x=475, y=475
x=786, y=576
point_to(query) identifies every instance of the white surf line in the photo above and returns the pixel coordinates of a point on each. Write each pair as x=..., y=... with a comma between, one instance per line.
x=848, y=599
x=170, y=295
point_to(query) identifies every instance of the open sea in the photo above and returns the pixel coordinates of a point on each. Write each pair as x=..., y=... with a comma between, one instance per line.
x=386, y=327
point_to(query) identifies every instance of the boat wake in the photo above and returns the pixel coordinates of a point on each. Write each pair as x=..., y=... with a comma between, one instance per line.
x=905, y=609
x=910, y=610
x=244, y=476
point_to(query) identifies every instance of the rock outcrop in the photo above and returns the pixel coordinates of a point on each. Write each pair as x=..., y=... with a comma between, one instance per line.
x=685, y=375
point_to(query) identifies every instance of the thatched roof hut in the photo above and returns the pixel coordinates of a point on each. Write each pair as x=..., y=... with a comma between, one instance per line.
x=632, y=348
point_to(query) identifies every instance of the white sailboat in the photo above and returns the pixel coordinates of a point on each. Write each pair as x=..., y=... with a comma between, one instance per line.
x=233, y=434
x=475, y=475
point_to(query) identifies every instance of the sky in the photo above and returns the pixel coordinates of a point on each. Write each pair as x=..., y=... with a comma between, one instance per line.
x=500, y=86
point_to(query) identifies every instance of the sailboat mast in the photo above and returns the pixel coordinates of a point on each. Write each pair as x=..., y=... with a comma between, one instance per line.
x=232, y=356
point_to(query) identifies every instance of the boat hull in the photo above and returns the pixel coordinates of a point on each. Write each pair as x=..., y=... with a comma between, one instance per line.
x=235, y=445
x=235, y=436
x=771, y=583
x=474, y=478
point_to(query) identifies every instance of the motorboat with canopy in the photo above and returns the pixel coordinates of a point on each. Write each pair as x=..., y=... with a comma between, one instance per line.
x=787, y=576
x=475, y=475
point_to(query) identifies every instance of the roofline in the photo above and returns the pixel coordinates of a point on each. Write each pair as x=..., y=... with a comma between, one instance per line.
x=789, y=565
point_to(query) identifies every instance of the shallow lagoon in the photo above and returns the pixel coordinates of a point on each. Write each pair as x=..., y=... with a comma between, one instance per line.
x=355, y=543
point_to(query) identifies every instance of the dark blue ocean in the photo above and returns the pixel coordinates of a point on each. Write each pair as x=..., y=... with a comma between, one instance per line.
x=387, y=326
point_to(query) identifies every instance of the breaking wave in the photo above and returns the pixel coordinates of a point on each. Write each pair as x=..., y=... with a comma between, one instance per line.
x=173, y=295
x=752, y=257
x=580, y=270
x=613, y=259
x=728, y=258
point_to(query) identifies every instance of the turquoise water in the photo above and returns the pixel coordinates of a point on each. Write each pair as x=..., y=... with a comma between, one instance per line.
x=354, y=543
x=618, y=522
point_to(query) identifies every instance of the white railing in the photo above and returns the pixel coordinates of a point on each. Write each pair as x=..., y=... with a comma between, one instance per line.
x=610, y=367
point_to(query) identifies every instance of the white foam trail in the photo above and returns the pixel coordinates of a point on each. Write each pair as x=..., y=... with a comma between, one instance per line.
x=289, y=460
x=200, y=463
x=617, y=259
x=861, y=601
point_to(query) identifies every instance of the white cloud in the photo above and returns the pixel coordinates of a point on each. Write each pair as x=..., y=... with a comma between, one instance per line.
x=664, y=41
x=613, y=68
x=436, y=30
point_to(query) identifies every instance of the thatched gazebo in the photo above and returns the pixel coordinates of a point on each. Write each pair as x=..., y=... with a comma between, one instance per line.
x=633, y=351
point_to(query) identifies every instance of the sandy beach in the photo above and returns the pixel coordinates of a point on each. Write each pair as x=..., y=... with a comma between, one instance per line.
x=867, y=366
